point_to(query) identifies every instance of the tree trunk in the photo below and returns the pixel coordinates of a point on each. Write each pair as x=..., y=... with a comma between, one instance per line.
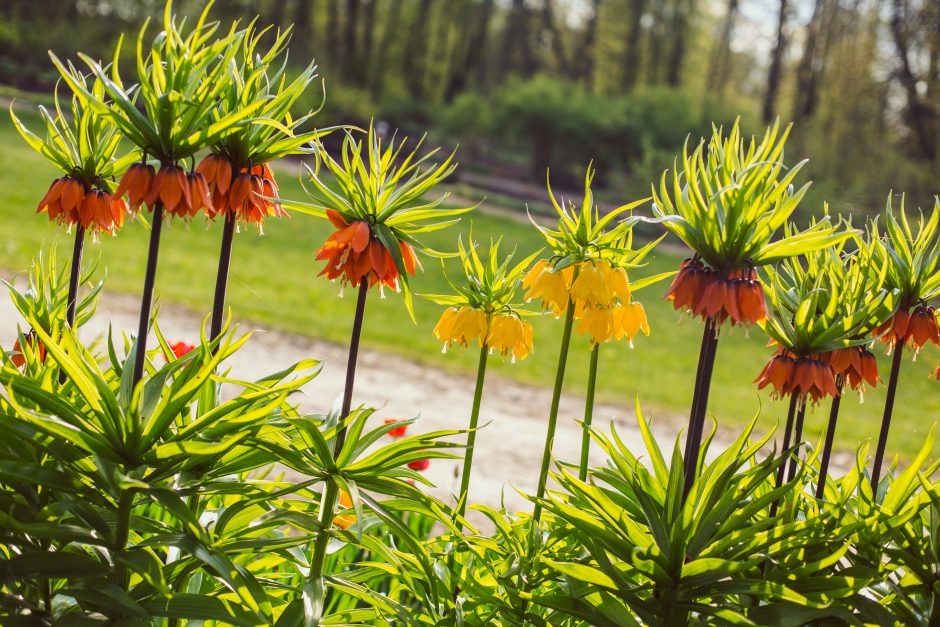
x=368, y=34
x=416, y=50
x=718, y=72
x=515, y=53
x=389, y=31
x=586, y=58
x=807, y=74
x=472, y=53
x=303, y=28
x=655, y=41
x=332, y=32
x=631, y=56
x=679, y=33
x=350, y=51
x=921, y=118
x=558, y=45
x=775, y=72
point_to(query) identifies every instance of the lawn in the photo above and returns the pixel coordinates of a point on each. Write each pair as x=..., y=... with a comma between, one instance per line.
x=274, y=284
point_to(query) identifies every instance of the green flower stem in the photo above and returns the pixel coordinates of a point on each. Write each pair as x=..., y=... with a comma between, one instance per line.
x=886, y=419
x=146, y=303
x=830, y=438
x=331, y=491
x=588, y=414
x=221, y=278
x=318, y=558
x=472, y=435
x=553, y=417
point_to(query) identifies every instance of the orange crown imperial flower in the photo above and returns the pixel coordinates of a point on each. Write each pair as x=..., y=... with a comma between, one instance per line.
x=913, y=328
x=137, y=184
x=182, y=194
x=247, y=195
x=18, y=357
x=804, y=376
x=69, y=202
x=703, y=291
x=857, y=365
x=353, y=253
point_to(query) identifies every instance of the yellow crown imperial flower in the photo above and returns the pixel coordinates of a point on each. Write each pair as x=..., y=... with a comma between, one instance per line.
x=630, y=320
x=591, y=285
x=461, y=325
x=550, y=286
x=510, y=335
x=596, y=321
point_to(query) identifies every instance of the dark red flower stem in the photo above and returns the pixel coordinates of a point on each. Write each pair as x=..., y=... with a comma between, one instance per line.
x=886, y=419
x=351, y=363
x=791, y=412
x=703, y=381
x=146, y=301
x=797, y=440
x=830, y=438
x=331, y=491
x=75, y=276
x=221, y=279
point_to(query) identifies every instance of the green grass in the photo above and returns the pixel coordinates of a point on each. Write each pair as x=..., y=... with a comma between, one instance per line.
x=274, y=284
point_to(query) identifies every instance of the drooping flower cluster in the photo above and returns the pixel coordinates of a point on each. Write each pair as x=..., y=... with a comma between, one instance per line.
x=354, y=252
x=481, y=311
x=69, y=202
x=508, y=334
x=856, y=365
x=247, y=196
x=912, y=328
x=378, y=210
x=804, y=376
x=728, y=204
x=84, y=147
x=182, y=194
x=601, y=295
x=824, y=306
x=736, y=296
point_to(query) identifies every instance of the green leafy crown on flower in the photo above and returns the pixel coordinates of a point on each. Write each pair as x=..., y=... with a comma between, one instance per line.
x=730, y=198
x=261, y=77
x=828, y=299
x=911, y=253
x=582, y=233
x=181, y=78
x=384, y=186
x=83, y=145
x=488, y=284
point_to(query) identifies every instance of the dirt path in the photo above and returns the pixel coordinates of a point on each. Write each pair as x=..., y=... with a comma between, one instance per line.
x=509, y=447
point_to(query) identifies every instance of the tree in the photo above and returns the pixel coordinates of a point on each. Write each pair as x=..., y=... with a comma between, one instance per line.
x=922, y=112
x=775, y=72
x=631, y=56
x=719, y=65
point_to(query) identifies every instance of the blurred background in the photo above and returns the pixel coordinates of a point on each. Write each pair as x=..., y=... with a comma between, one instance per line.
x=526, y=84
x=521, y=86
